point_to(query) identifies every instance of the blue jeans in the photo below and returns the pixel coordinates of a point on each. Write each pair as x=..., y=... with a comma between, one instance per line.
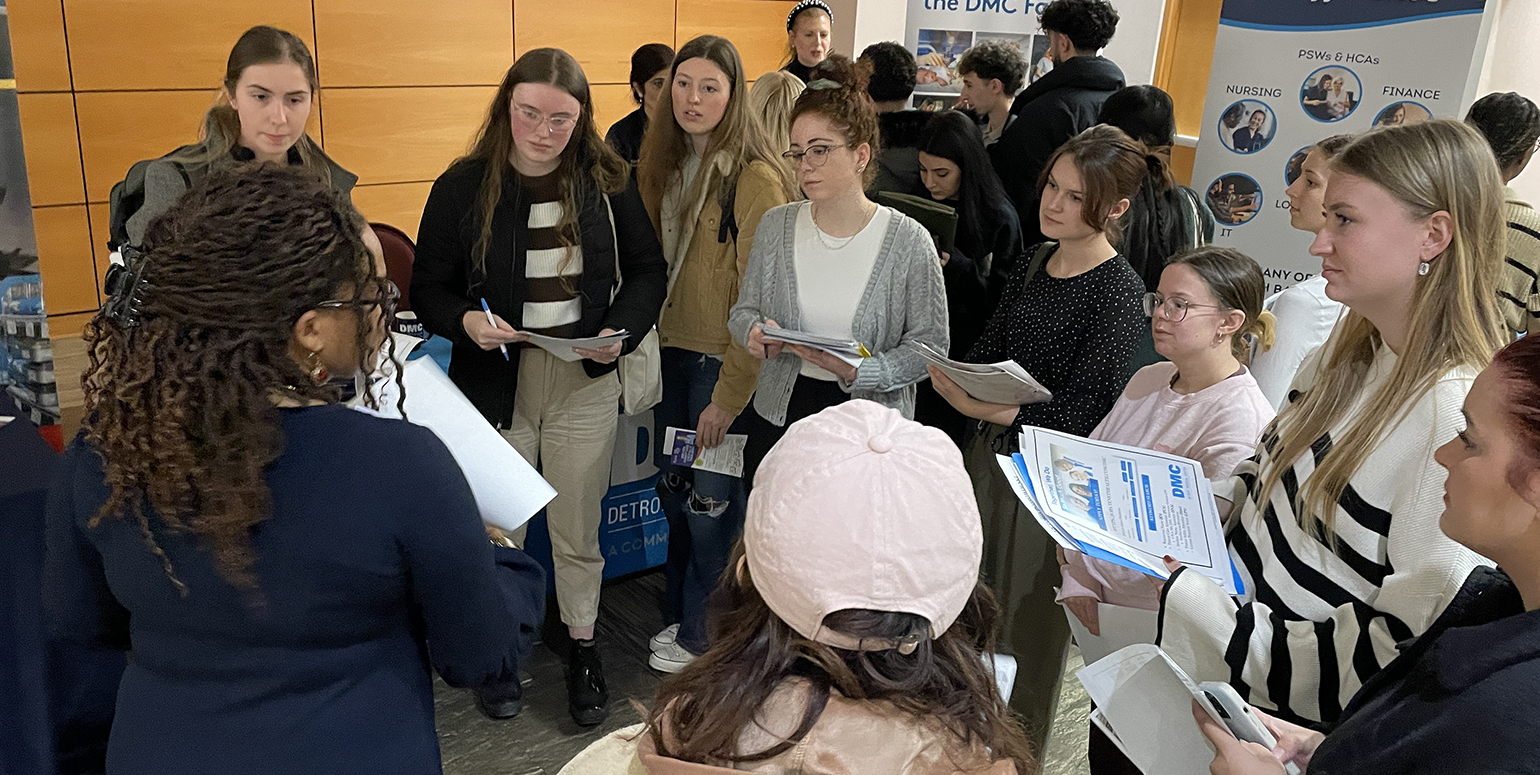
x=705, y=510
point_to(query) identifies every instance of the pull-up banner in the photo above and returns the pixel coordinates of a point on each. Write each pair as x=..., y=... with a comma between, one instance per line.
x=1290, y=73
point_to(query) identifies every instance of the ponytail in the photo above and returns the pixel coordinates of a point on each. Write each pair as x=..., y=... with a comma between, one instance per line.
x=1262, y=329
x=1154, y=226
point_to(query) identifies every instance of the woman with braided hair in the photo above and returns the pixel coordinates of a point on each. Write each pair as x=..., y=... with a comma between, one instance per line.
x=226, y=519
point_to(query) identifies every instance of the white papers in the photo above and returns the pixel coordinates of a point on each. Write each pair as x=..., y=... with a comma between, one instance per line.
x=1120, y=627
x=507, y=488
x=847, y=350
x=1144, y=702
x=1005, y=382
x=725, y=458
x=564, y=348
x=1126, y=505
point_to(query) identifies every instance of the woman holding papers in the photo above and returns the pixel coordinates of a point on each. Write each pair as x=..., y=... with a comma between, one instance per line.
x=530, y=233
x=1461, y=698
x=277, y=562
x=1201, y=404
x=1070, y=316
x=1334, y=530
x=707, y=177
x=839, y=266
x=956, y=171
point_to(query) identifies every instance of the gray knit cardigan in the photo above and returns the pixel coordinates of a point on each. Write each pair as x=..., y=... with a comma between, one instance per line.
x=904, y=303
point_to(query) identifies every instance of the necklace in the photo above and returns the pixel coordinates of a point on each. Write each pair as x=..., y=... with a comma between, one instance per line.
x=836, y=243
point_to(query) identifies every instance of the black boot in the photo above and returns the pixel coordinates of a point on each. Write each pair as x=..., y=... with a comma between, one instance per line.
x=588, y=699
x=499, y=701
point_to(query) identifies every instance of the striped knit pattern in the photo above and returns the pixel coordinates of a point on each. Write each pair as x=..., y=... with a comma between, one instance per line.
x=1319, y=618
x=551, y=270
x=1518, y=288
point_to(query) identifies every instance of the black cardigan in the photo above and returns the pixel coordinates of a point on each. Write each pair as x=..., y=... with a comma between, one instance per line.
x=444, y=287
x=1459, y=699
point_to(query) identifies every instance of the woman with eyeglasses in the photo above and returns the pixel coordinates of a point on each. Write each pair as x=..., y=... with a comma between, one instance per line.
x=837, y=265
x=1070, y=315
x=278, y=563
x=531, y=233
x=1201, y=403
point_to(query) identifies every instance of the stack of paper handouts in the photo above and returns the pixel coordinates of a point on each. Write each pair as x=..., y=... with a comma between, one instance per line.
x=1005, y=382
x=507, y=488
x=1122, y=504
x=847, y=350
x=566, y=349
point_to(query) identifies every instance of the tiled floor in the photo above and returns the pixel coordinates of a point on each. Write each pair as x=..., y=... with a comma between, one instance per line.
x=543, y=737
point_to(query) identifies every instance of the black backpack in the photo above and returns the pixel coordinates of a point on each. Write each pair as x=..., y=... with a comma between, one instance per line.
x=127, y=195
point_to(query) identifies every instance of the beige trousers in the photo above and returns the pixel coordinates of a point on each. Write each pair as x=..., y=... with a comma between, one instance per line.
x=564, y=424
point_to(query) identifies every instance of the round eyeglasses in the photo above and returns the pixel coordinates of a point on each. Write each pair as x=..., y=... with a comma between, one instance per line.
x=816, y=155
x=1174, y=310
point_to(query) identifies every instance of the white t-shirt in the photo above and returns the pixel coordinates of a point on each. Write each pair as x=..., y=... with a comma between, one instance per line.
x=1305, y=318
x=832, y=273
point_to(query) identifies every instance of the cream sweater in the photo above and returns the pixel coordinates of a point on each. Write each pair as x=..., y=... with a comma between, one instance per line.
x=1318, y=620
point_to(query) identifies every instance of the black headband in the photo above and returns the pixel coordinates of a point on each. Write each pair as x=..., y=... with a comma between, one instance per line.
x=791, y=18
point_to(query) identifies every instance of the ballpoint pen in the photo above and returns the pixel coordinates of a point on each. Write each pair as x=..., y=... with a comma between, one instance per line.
x=493, y=321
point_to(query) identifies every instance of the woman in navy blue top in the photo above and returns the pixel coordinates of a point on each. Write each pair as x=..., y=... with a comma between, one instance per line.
x=285, y=571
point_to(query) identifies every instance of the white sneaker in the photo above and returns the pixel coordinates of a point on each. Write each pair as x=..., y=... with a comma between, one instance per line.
x=671, y=658
x=664, y=639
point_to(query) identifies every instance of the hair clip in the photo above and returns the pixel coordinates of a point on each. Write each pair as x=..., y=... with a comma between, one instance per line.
x=124, y=286
x=822, y=83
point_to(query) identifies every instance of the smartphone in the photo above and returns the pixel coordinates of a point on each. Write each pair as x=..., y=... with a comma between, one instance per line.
x=1239, y=718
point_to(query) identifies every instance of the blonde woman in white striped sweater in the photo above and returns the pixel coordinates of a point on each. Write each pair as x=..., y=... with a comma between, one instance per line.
x=1343, y=558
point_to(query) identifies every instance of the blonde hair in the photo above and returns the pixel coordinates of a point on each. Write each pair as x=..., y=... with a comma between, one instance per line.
x=738, y=135
x=260, y=45
x=770, y=102
x=1435, y=166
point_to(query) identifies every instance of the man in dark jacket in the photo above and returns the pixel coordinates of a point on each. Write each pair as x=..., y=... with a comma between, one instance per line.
x=893, y=79
x=1059, y=105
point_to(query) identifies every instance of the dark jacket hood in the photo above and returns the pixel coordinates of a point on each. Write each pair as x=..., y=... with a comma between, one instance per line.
x=1090, y=73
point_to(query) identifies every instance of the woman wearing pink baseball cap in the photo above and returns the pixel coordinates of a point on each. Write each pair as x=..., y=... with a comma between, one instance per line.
x=853, y=631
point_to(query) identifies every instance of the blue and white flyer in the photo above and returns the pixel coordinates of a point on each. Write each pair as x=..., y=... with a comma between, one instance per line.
x=1288, y=74
x=1123, y=504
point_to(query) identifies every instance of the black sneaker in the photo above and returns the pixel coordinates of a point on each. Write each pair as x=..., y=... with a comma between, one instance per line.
x=500, y=701
x=588, y=699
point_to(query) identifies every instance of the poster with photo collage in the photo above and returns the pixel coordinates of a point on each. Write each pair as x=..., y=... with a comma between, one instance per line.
x=1290, y=73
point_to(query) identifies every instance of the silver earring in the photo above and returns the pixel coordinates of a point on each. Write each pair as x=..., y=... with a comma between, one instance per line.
x=1422, y=269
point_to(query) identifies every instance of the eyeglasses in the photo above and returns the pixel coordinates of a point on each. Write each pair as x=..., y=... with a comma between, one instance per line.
x=531, y=119
x=386, y=300
x=816, y=155
x=1174, y=310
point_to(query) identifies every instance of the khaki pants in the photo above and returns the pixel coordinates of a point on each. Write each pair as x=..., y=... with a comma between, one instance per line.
x=564, y=423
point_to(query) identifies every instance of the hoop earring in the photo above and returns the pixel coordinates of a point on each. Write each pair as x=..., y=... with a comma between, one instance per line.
x=318, y=372
x=1422, y=269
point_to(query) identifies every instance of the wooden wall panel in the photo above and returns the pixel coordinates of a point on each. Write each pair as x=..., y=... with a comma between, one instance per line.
x=601, y=34
x=98, y=217
x=412, y=43
x=393, y=204
x=52, y=148
x=756, y=27
x=612, y=102
x=399, y=135
x=64, y=258
x=1182, y=159
x=120, y=128
x=168, y=44
x=37, y=45
x=1186, y=56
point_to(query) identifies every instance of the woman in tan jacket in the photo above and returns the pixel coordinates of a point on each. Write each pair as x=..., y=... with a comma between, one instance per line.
x=707, y=175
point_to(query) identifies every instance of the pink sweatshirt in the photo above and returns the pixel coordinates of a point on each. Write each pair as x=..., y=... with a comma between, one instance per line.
x=1218, y=427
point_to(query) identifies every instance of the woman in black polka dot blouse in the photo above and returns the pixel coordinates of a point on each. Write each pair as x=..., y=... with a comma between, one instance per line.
x=1073, y=324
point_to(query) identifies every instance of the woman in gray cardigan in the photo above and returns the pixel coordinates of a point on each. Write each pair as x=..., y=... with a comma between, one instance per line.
x=836, y=265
